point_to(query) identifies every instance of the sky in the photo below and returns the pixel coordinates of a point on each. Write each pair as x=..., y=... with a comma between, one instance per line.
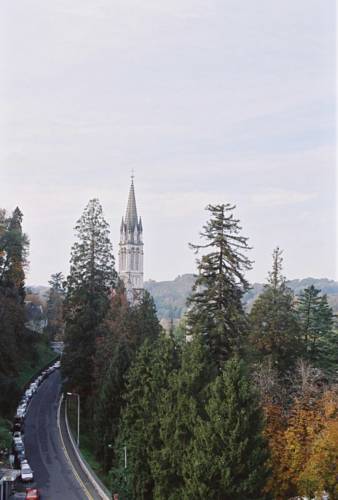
x=208, y=102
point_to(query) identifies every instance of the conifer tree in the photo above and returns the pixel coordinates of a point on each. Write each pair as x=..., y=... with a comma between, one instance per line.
x=113, y=355
x=275, y=333
x=228, y=457
x=215, y=307
x=14, y=247
x=144, y=321
x=179, y=408
x=89, y=285
x=13, y=259
x=55, y=301
x=138, y=431
x=316, y=318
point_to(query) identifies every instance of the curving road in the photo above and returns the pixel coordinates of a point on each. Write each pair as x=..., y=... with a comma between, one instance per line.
x=53, y=473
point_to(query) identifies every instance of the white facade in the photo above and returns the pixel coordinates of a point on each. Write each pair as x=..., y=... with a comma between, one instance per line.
x=131, y=248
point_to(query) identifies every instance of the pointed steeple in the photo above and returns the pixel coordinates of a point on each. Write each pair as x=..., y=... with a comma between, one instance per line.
x=131, y=247
x=131, y=212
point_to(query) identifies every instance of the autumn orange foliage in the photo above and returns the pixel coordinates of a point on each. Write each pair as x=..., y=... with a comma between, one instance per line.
x=304, y=447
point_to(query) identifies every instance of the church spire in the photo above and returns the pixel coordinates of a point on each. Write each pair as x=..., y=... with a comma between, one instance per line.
x=131, y=212
x=131, y=247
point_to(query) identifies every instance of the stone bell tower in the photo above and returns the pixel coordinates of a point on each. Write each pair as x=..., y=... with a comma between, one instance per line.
x=131, y=248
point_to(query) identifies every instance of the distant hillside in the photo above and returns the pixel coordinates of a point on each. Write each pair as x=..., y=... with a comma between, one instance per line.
x=170, y=296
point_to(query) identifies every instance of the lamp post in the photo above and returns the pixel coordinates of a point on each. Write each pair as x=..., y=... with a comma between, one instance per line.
x=78, y=415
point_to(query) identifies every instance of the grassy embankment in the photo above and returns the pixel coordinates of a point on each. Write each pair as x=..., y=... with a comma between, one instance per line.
x=29, y=366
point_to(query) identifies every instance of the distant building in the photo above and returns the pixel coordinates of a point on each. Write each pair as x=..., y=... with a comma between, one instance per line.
x=131, y=249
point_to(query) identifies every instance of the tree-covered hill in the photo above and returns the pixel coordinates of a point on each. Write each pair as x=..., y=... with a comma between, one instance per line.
x=170, y=296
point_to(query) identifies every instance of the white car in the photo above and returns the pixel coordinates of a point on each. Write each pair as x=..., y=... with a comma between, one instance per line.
x=17, y=440
x=26, y=472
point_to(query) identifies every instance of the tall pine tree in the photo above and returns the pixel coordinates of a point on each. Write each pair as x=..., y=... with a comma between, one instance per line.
x=89, y=285
x=215, y=307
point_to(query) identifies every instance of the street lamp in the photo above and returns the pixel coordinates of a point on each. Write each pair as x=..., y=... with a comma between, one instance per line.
x=78, y=415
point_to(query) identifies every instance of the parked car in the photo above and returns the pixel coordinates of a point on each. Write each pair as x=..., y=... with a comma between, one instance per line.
x=26, y=472
x=32, y=494
x=18, y=427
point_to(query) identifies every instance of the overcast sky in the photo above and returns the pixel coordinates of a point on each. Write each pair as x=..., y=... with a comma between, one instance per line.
x=208, y=101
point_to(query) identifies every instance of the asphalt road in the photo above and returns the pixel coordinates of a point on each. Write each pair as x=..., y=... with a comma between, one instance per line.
x=53, y=474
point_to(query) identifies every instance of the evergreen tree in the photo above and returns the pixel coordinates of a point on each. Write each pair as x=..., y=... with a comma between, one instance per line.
x=144, y=322
x=275, y=333
x=138, y=431
x=179, y=408
x=215, y=307
x=228, y=456
x=316, y=318
x=55, y=325
x=124, y=330
x=13, y=259
x=113, y=356
x=88, y=296
x=327, y=343
x=13, y=251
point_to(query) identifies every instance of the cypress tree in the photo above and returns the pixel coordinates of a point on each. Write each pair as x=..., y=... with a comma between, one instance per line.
x=228, y=456
x=88, y=295
x=215, y=307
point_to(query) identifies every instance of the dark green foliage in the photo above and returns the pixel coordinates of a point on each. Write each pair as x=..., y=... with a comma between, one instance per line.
x=139, y=430
x=144, y=321
x=89, y=284
x=123, y=332
x=179, y=409
x=275, y=333
x=319, y=336
x=215, y=307
x=55, y=326
x=13, y=253
x=227, y=459
x=9, y=395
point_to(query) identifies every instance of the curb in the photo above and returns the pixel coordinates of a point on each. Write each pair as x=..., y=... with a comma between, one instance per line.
x=66, y=454
x=85, y=467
